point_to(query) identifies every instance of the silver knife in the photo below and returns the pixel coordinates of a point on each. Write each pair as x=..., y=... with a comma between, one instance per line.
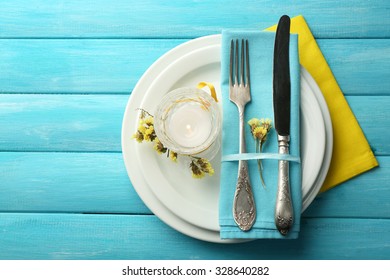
x=284, y=214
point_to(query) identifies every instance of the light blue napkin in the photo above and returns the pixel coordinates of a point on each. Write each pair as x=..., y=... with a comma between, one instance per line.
x=261, y=50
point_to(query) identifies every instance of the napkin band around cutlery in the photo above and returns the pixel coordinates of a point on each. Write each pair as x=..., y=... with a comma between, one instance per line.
x=255, y=156
x=261, y=48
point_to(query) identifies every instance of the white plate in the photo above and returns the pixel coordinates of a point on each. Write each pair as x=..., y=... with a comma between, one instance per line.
x=313, y=138
x=131, y=148
x=311, y=194
x=196, y=200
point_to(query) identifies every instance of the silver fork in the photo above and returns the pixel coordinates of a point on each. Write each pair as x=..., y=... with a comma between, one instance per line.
x=244, y=209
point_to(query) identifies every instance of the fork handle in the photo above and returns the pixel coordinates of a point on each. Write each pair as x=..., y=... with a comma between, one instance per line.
x=244, y=208
x=284, y=215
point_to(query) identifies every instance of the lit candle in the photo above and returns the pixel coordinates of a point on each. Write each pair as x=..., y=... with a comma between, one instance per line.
x=190, y=125
x=188, y=122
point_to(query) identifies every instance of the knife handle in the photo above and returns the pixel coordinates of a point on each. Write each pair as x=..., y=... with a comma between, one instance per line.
x=284, y=213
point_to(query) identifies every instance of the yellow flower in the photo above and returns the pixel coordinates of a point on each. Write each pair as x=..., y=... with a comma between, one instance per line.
x=147, y=121
x=260, y=128
x=173, y=156
x=266, y=123
x=260, y=133
x=141, y=128
x=196, y=171
x=149, y=133
x=201, y=166
x=254, y=122
x=159, y=147
x=206, y=167
x=197, y=176
x=138, y=136
x=210, y=170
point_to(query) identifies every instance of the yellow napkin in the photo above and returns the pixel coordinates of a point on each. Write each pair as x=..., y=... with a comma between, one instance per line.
x=352, y=154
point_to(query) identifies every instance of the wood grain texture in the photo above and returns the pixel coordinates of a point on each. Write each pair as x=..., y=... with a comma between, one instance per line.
x=67, y=70
x=98, y=183
x=77, y=66
x=89, y=123
x=67, y=182
x=61, y=123
x=72, y=236
x=115, y=66
x=373, y=118
x=359, y=65
x=365, y=196
x=186, y=19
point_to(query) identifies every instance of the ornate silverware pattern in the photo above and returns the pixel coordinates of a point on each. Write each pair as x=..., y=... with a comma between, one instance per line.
x=244, y=209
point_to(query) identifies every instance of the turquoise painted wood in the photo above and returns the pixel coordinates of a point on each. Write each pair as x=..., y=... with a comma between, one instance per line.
x=62, y=123
x=114, y=66
x=186, y=19
x=67, y=69
x=69, y=236
x=77, y=66
x=93, y=122
x=98, y=183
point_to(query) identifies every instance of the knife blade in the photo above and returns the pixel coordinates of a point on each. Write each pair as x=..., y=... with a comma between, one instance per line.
x=284, y=215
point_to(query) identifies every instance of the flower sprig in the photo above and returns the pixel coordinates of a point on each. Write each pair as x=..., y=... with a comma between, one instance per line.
x=145, y=132
x=260, y=128
x=200, y=167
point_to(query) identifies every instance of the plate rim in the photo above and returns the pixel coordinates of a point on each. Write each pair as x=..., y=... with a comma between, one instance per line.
x=172, y=199
x=159, y=209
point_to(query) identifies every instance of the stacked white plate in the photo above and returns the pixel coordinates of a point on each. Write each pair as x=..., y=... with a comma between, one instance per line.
x=188, y=205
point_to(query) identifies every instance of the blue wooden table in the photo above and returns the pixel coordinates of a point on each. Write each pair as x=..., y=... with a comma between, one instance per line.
x=67, y=69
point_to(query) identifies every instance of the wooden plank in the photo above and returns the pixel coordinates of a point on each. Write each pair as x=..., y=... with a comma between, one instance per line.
x=351, y=62
x=98, y=183
x=61, y=123
x=359, y=197
x=67, y=236
x=88, y=123
x=76, y=66
x=186, y=19
x=115, y=66
x=373, y=118
x=67, y=182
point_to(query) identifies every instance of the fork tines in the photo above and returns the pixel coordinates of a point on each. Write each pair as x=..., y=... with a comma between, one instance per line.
x=244, y=208
x=236, y=74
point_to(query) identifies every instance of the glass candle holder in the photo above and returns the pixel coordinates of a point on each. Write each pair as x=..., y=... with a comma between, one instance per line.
x=188, y=122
